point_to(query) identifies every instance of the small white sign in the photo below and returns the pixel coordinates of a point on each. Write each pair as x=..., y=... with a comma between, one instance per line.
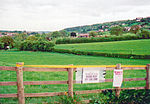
x=117, y=78
x=90, y=75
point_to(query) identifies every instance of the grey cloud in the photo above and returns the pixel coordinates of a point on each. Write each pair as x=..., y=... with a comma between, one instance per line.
x=58, y=14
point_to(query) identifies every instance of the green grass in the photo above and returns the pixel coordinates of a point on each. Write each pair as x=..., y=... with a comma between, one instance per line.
x=128, y=47
x=9, y=58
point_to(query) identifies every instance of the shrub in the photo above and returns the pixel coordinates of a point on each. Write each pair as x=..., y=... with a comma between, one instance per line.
x=7, y=41
x=1, y=45
x=36, y=45
x=126, y=97
x=69, y=100
x=135, y=29
x=145, y=34
x=32, y=38
x=116, y=30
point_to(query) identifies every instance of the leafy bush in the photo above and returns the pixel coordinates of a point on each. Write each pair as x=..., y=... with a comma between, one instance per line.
x=116, y=30
x=69, y=100
x=145, y=34
x=1, y=45
x=32, y=38
x=36, y=45
x=118, y=55
x=7, y=41
x=126, y=97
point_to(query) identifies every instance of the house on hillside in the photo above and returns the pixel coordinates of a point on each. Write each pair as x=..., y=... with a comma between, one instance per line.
x=100, y=30
x=106, y=29
x=83, y=35
x=11, y=34
x=138, y=19
x=127, y=28
x=73, y=34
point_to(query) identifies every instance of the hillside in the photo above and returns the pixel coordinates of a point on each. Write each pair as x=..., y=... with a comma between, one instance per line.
x=143, y=22
x=125, y=47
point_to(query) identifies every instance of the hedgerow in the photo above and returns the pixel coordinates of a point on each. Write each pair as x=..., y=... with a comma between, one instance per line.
x=118, y=55
x=98, y=39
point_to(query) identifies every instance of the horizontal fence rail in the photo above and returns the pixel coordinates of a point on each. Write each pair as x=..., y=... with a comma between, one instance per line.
x=65, y=67
x=70, y=69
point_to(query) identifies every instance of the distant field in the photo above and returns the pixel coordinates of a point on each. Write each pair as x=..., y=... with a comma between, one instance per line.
x=9, y=58
x=128, y=47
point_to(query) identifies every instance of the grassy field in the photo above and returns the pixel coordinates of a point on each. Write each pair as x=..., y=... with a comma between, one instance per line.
x=131, y=46
x=9, y=58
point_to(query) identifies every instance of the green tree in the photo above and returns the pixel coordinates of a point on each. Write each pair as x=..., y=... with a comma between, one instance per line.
x=56, y=34
x=145, y=34
x=64, y=33
x=20, y=37
x=7, y=41
x=116, y=30
x=135, y=29
x=93, y=33
x=32, y=38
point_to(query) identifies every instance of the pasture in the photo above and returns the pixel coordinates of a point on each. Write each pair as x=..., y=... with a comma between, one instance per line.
x=9, y=58
x=127, y=47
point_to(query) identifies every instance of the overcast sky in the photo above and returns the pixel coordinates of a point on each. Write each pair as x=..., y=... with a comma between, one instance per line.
x=51, y=15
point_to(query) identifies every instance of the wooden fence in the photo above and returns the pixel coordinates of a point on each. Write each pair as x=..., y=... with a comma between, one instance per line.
x=70, y=69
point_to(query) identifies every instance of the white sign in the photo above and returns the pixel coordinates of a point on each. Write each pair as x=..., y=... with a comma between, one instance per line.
x=118, y=77
x=90, y=75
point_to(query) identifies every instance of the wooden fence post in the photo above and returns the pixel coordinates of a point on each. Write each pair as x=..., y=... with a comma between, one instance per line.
x=117, y=91
x=148, y=76
x=21, y=98
x=70, y=82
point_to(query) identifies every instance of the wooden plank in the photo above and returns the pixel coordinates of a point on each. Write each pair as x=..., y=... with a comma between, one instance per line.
x=80, y=66
x=7, y=68
x=44, y=94
x=44, y=82
x=70, y=82
x=7, y=83
x=20, y=87
x=61, y=82
x=133, y=68
x=44, y=69
x=63, y=93
x=61, y=69
x=33, y=94
x=148, y=76
x=127, y=68
x=134, y=79
x=89, y=91
x=34, y=83
x=7, y=95
x=132, y=88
